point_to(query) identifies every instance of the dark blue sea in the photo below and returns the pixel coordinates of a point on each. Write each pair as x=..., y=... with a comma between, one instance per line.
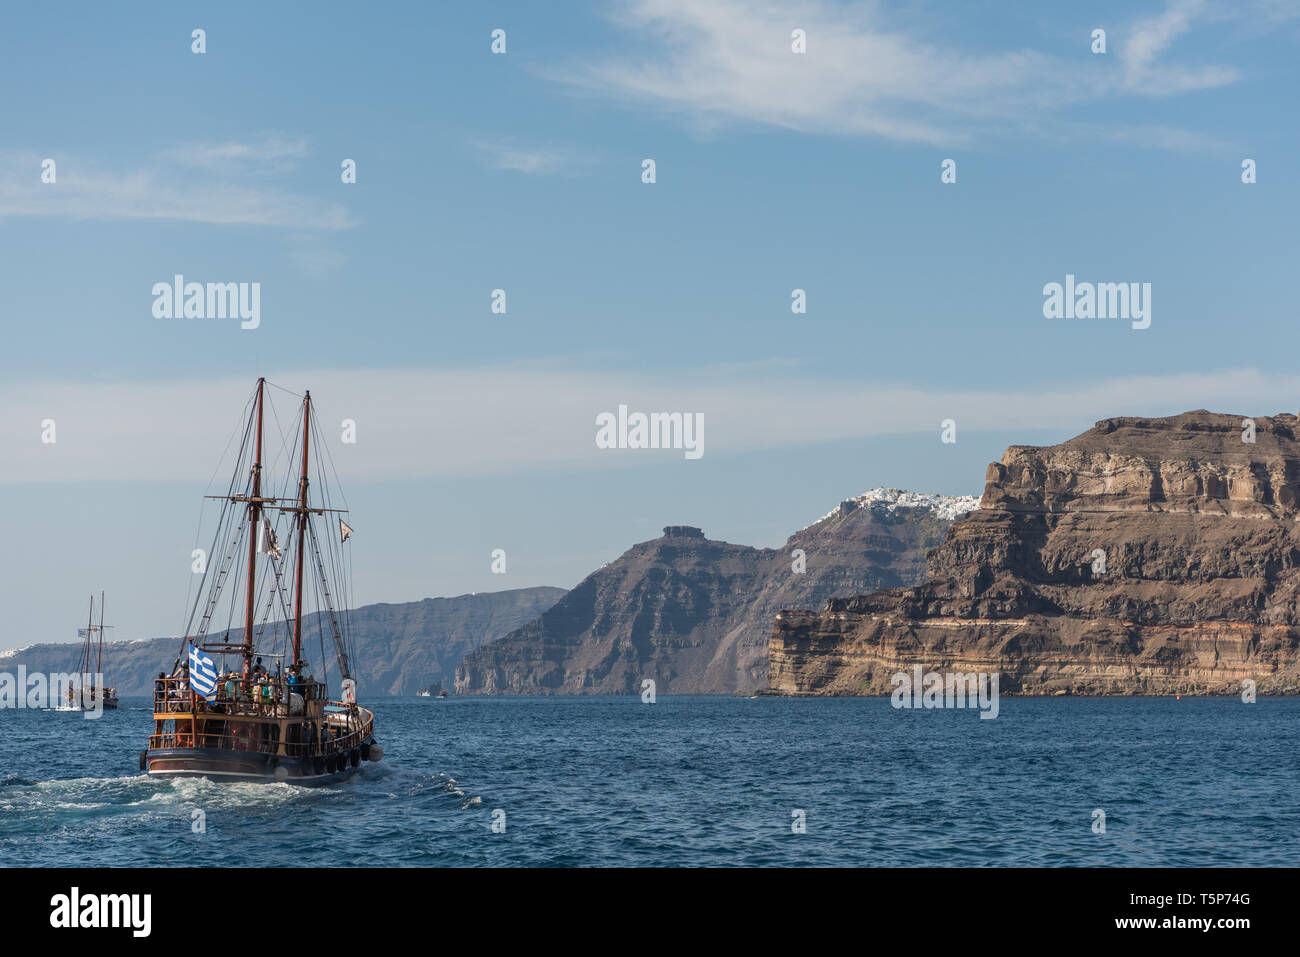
x=691, y=781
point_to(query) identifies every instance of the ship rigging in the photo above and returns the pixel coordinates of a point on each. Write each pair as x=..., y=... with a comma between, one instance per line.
x=223, y=712
x=91, y=694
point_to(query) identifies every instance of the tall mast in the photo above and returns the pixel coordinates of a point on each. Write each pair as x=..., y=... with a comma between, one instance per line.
x=302, y=527
x=254, y=523
x=90, y=628
x=99, y=661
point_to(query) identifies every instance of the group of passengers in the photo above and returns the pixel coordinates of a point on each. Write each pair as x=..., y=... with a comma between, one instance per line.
x=256, y=691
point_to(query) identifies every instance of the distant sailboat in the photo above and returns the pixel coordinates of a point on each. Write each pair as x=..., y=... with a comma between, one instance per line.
x=89, y=694
x=255, y=723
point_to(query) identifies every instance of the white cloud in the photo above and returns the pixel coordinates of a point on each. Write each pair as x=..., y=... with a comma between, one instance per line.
x=316, y=261
x=270, y=154
x=507, y=155
x=861, y=74
x=1146, y=39
x=512, y=419
x=169, y=189
x=1156, y=136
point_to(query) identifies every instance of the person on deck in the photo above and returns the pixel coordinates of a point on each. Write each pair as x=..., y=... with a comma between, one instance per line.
x=182, y=689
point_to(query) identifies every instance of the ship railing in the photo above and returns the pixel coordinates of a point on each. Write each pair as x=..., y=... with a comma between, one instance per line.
x=357, y=721
x=360, y=726
x=235, y=695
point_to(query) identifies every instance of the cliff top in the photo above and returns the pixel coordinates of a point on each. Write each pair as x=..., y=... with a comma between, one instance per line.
x=1197, y=432
x=946, y=507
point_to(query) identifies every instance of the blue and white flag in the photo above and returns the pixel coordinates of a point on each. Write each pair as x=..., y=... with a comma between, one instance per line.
x=203, y=675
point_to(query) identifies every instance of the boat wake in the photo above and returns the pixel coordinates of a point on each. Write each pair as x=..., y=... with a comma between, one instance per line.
x=152, y=821
x=447, y=784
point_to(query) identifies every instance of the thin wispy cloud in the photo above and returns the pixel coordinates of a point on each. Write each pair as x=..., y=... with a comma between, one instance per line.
x=1148, y=136
x=510, y=420
x=863, y=75
x=316, y=261
x=1148, y=38
x=272, y=154
x=222, y=184
x=507, y=155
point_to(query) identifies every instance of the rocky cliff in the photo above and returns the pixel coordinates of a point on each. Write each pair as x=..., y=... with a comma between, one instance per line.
x=694, y=614
x=1143, y=556
x=399, y=648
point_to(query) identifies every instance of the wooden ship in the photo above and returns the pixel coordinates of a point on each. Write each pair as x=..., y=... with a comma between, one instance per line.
x=90, y=694
x=253, y=722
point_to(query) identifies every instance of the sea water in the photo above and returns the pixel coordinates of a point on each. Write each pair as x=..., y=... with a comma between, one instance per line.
x=691, y=781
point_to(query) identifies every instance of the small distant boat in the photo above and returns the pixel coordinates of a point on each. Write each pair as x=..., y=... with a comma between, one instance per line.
x=423, y=694
x=442, y=694
x=90, y=695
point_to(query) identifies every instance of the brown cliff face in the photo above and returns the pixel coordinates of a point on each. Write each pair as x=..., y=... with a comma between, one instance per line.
x=694, y=614
x=1144, y=556
x=400, y=648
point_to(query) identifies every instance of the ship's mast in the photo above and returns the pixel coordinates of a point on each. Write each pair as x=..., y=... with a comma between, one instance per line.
x=254, y=523
x=90, y=629
x=302, y=527
x=99, y=661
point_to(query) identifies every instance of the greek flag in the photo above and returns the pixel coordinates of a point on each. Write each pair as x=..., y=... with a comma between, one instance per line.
x=203, y=675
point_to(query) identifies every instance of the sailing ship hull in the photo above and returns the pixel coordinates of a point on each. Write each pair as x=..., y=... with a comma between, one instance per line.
x=76, y=704
x=220, y=765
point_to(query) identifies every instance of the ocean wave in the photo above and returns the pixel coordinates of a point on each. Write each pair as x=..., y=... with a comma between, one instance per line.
x=581, y=784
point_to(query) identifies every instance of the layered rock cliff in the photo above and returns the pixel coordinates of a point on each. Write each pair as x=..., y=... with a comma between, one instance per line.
x=694, y=614
x=1144, y=556
x=397, y=648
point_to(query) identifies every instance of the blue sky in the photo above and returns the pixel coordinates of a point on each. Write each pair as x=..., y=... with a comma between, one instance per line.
x=522, y=171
